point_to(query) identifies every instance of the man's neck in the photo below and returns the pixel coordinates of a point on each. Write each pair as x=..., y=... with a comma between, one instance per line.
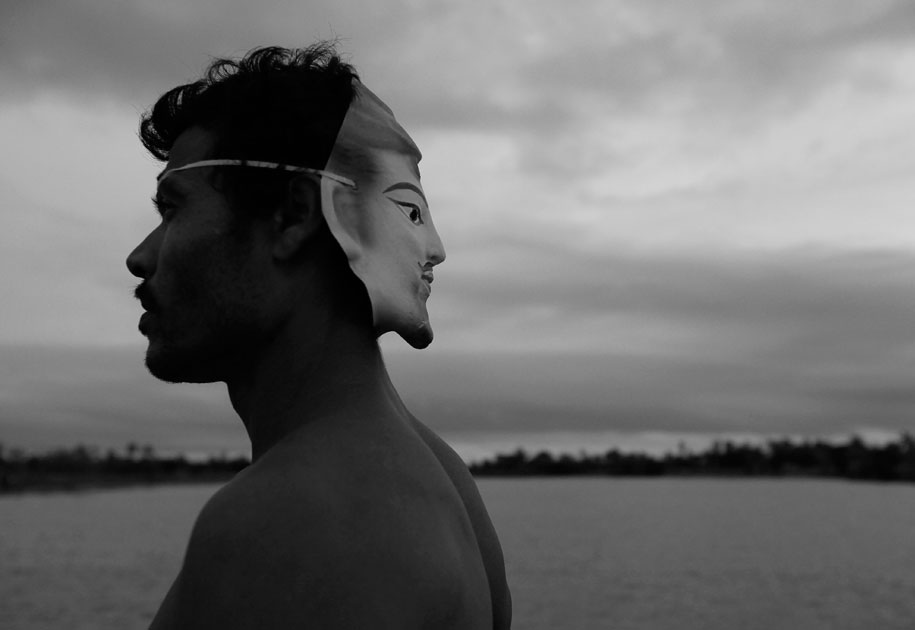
x=293, y=382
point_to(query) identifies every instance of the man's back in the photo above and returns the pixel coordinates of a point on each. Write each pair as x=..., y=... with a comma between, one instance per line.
x=343, y=525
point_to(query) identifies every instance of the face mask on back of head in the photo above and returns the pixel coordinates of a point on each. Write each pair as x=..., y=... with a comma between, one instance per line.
x=374, y=205
x=383, y=224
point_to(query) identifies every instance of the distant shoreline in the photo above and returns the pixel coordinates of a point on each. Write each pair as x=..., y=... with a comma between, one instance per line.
x=76, y=484
x=853, y=459
x=86, y=468
x=83, y=468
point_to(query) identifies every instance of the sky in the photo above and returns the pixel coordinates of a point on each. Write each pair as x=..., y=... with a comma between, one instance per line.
x=665, y=222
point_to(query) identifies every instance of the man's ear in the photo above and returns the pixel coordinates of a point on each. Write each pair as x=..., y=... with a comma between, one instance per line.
x=298, y=218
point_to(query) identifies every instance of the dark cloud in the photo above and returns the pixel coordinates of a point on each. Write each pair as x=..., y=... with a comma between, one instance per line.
x=774, y=290
x=801, y=340
x=91, y=49
x=59, y=396
x=742, y=58
x=134, y=51
x=721, y=68
x=580, y=392
x=790, y=342
x=732, y=73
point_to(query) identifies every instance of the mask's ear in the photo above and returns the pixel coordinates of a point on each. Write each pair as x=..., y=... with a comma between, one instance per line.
x=347, y=223
x=298, y=218
x=340, y=209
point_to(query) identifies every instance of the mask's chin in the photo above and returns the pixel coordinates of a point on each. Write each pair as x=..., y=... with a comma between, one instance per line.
x=398, y=307
x=412, y=325
x=419, y=337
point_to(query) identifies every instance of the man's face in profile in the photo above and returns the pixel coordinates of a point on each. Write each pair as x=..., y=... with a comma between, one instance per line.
x=200, y=284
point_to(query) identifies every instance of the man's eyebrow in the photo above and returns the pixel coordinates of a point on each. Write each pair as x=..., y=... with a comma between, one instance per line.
x=169, y=187
x=407, y=186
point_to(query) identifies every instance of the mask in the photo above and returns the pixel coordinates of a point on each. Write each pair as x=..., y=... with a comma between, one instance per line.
x=383, y=224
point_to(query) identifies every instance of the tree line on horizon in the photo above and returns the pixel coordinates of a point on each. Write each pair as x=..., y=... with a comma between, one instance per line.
x=852, y=459
x=82, y=466
x=85, y=466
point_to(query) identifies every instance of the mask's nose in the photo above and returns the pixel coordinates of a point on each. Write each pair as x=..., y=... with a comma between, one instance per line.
x=436, y=251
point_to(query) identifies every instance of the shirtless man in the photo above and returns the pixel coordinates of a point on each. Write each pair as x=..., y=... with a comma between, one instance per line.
x=294, y=231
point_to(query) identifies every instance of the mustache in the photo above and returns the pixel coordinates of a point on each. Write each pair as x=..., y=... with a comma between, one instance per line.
x=142, y=293
x=427, y=272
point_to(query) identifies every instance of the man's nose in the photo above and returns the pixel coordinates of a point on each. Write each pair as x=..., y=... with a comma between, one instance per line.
x=141, y=262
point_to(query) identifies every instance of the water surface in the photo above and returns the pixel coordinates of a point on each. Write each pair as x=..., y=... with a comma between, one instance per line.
x=580, y=553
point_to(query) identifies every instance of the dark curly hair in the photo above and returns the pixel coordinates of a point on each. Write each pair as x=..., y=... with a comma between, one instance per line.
x=274, y=104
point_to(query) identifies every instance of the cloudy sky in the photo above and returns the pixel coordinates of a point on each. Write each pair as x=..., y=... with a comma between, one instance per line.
x=664, y=220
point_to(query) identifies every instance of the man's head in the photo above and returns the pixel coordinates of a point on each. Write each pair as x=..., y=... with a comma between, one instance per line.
x=238, y=241
x=274, y=104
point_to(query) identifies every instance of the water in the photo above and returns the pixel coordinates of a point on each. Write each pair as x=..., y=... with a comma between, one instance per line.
x=605, y=553
x=580, y=553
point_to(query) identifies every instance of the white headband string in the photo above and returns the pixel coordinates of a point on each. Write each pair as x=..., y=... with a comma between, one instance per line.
x=258, y=164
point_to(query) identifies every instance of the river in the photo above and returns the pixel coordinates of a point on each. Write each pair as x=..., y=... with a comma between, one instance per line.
x=581, y=554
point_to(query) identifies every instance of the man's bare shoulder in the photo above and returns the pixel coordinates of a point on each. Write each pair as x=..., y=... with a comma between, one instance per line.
x=289, y=543
x=485, y=533
x=256, y=560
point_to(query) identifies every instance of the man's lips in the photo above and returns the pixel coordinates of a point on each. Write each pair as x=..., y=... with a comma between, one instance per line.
x=144, y=322
x=142, y=293
x=146, y=300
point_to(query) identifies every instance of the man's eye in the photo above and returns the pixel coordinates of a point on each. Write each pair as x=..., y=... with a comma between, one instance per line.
x=165, y=209
x=412, y=211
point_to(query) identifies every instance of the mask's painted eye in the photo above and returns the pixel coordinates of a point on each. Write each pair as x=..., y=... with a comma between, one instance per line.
x=411, y=211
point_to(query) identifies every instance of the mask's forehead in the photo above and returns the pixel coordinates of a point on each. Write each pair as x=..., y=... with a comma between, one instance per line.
x=368, y=130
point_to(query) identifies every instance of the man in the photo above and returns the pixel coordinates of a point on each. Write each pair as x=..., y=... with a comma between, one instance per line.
x=294, y=232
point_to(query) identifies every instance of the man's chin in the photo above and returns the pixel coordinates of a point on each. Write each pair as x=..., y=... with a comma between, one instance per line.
x=174, y=367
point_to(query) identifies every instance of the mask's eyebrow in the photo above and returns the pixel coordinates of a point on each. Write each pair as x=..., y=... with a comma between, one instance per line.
x=407, y=186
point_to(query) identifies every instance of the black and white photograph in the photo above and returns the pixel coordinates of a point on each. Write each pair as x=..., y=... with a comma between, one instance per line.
x=441, y=315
